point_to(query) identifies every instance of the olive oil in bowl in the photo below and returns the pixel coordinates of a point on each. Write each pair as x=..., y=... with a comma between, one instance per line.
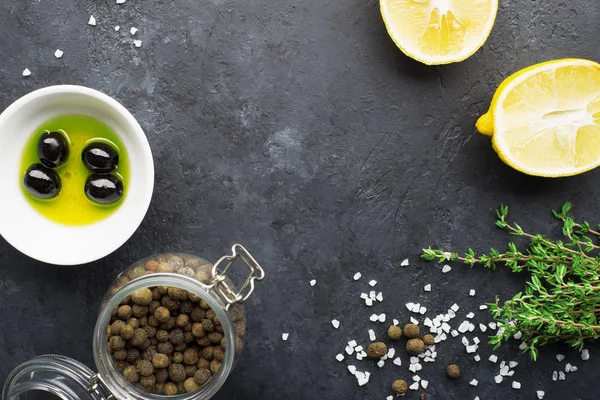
x=71, y=206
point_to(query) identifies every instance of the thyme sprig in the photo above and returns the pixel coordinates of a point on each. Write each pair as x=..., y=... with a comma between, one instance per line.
x=561, y=300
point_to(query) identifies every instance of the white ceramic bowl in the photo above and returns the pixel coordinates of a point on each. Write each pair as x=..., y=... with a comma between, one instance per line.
x=32, y=233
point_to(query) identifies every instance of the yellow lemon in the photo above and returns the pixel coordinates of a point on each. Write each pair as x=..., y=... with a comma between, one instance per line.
x=545, y=120
x=439, y=31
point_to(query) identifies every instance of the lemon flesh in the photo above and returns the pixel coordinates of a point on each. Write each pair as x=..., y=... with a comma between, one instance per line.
x=439, y=31
x=545, y=120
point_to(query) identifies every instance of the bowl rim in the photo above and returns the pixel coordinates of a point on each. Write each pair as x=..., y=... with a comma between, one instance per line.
x=144, y=148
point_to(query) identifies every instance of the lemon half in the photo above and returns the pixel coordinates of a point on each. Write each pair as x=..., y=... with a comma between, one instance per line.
x=439, y=31
x=545, y=119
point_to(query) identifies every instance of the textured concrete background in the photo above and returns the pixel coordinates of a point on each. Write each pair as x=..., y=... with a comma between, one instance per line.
x=299, y=130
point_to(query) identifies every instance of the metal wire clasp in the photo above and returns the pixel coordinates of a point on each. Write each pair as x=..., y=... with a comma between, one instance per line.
x=219, y=276
x=99, y=389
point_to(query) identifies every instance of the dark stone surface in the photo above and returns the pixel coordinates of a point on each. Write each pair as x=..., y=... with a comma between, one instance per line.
x=299, y=130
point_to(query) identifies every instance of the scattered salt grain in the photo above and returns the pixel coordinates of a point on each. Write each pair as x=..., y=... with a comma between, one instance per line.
x=382, y=317
x=498, y=378
x=446, y=268
x=471, y=349
x=335, y=323
x=359, y=356
x=372, y=282
x=446, y=328
x=358, y=349
x=540, y=394
x=416, y=378
x=313, y=282
x=284, y=336
x=560, y=357
x=585, y=354
x=379, y=296
x=404, y=263
x=92, y=21
x=474, y=382
x=427, y=287
x=352, y=369
x=133, y=30
x=120, y=1
x=424, y=383
x=471, y=327
x=340, y=357
x=372, y=335
x=512, y=364
x=414, y=321
x=463, y=327
x=117, y=28
x=414, y=386
x=516, y=385
x=374, y=317
x=349, y=350
x=390, y=397
x=391, y=353
x=504, y=370
x=554, y=376
x=476, y=340
x=470, y=315
x=454, y=307
x=568, y=367
x=454, y=333
x=472, y=292
x=395, y=322
x=573, y=368
x=422, y=310
x=414, y=360
x=26, y=72
x=477, y=357
x=364, y=296
x=492, y=325
x=561, y=376
x=397, y=361
x=137, y=43
x=483, y=307
x=357, y=276
x=510, y=373
x=451, y=314
x=482, y=327
x=58, y=53
x=518, y=335
x=352, y=343
x=447, y=255
x=380, y=363
x=523, y=346
x=493, y=358
x=464, y=341
x=368, y=302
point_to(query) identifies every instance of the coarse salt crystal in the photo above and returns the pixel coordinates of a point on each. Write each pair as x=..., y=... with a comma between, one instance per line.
x=313, y=282
x=483, y=307
x=368, y=302
x=390, y=397
x=560, y=357
x=284, y=336
x=133, y=30
x=117, y=28
x=512, y=364
x=470, y=315
x=493, y=358
x=504, y=370
x=414, y=386
x=120, y=1
x=382, y=317
x=561, y=376
x=482, y=327
x=379, y=296
x=416, y=378
x=357, y=276
x=364, y=296
x=372, y=295
x=446, y=268
x=416, y=307
x=372, y=335
x=424, y=383
x=585, y=354
x=451, y=314
x=447, y=255
x=414, y=321
x=391, y=353
x=380, y=363
x=540, y=394
x=554, y=376
x=352, y=343
x=568, y=367
x=352, y=369
x=471, y=327
x=414, y=360
x=471, y=349
x=477, y=357
x=349, y=350
x=395, y=322
x=358, y=349
x=26, y=72
x=427, y=322
x=359, y=356
x=510, y=373
x=92, y=21
x=137, y=43
x=573, y=368
x=374, y=317
x=454, y=307
x=516, y=385
x=427, y=287
x=474, y=382
x=472, y=292
x=492, y=325
x=454, y=333
x=404, y=262
x=523, y=346
x=397, y=361
x=502, y=364
x=518, y=335
x=422, y=310
x=335, y=323
x=372, y=282
x=445, y=327
x=58, y=53
x=498, y=378
x=476, y=340
x=463, y=327
x=464, y=341
x=340, y=357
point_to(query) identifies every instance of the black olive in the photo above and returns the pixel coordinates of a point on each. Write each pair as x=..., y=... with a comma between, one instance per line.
x=100, y=157
x=42, y=182
x=53, y=149
x=103, y=188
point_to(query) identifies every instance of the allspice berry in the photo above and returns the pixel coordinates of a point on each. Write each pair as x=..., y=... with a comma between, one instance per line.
x=202, y=376
x=116, y=343
x=412, y=331
x=208, y=325
x=177, y=373
x=429, y=340
x=133, y=355
x=198, y=330
x=120, y=355
x=190, y=370
x=142, y=297
x=415, y=346
x=148, y=382
x=162, y=335
x=203, y=363
x=190, y=356
x=453, y=371
x=145, y=367
x=394, y=332
x=139, y=336
x=124, y=312
x=165, y=348
x=399, y=386
x=215, y=337
x=197, y=314
x=170, y=389
x=190, y=385
x=182, y=320
x=116, y=327
x=127, y=332
x=176, y=336
x=131, y=374
x=177, y=358
x=160, y=360
x=215, y=366
x=207, y=353
x=218, y=353
x=162, y=314
x=139, y=312
x=377, y=350
x=161, y=375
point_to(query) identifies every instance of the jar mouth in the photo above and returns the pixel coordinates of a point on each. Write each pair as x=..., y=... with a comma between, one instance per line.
x=115, y=381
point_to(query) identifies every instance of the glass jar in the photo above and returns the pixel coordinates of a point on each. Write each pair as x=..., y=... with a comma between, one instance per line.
x=71, y=380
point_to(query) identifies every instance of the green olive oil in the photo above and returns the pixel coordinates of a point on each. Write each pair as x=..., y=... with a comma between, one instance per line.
x=71, y=206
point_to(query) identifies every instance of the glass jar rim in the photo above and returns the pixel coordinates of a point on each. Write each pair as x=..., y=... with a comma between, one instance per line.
x=114, y=380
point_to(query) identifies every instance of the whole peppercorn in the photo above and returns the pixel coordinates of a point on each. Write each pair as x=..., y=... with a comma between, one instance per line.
x=139, y=336
x=215, y=366
x=204, y=305
x=162, y=314
x=168, y=325
x=127, y=332
x=186, y=307
x=165, y=267
x=170, y=303
x=176, y=336
x=170, y=389
x=120, y=354
x=153, y=321
x=224, y=343
x=149, y=353
x=152, y=265
x=182, y=320
x=177, y=358
x=154, y=304
x=190, y=370
x=162, y=335
x=145, y=344
x=147, y=383
x=197, y=314
x=215, y=337
x=394, y=332
x=194, y=298
x=166, y=348
x=429, y=340
x=399, y=386
x=377, y=350
x=155, y=294
x=218, y=353
x=210, y=314
x=142, y=297
x=180, y=387
x=124, y=312
x=131, y=374
x=190, y=356
x=208, y=325
x=187, y=327
x=188, y=337
x=177, y=373
x=412, y=331
x=150, y=330
x=203, y=341
x=116, y=343
x=177, y=293
x=133, y=322
x=180, y=347
x=207, y=353
x=133, y=355
x=121, y=365
x=116, y=326
x=161, y=375
x=153, y=342
x=175, y=262
x=162, y=289
x=139, y=311
x=415, y=346
x=203, y=364
x=190, y=385
x=453, y=371
x=202, y=376
x=145, y=367
x=160, y=360
x=143, y=321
